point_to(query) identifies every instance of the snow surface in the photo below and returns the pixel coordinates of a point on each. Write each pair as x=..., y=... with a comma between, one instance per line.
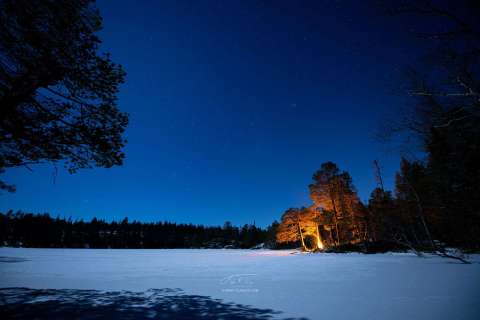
x=314, y=286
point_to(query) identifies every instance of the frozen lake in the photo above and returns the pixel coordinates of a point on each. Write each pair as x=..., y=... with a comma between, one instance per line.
x=237, y=284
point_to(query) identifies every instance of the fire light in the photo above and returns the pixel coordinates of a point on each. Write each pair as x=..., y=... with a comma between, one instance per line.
x=319, y=243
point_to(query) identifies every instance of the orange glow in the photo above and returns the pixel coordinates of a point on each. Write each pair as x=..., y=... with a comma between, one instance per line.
x=319, y=242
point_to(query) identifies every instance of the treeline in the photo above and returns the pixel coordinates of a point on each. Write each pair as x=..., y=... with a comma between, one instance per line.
x=43, y=231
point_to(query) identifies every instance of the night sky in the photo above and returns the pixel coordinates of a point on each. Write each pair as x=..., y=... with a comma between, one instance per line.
x=233, y=105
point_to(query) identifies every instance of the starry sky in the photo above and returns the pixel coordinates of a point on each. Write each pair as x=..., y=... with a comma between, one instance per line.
x=233, y=105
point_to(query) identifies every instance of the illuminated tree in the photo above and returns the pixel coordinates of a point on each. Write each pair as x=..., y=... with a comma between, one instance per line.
x=289, y=230
x=301, y=225
x=323, y=191
x=333, y=191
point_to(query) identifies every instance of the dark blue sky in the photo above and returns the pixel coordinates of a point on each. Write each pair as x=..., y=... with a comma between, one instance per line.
x=233, y=105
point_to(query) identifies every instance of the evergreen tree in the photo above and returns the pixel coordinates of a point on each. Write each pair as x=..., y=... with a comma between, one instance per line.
x=381, y=213
x=289, y=230
x=445, y=119
x=57, y=93
x=333, y=191
x=30, y=230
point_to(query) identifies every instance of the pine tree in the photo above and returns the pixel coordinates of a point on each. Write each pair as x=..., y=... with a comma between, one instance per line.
x=333, y=191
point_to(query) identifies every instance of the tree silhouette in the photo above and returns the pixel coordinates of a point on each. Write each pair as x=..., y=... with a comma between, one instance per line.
x=57, y=93
x=32, y=230
x=444, y=117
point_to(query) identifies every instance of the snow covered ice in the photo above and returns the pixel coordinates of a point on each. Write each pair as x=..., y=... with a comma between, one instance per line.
x=287, y=283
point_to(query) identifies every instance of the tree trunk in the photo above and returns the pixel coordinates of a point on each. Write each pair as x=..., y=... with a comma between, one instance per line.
x=335, y=221
x=301, y=237
x=421, y=216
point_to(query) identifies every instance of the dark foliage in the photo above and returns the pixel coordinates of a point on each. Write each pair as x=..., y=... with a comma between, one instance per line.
x=43, y=231
x=415, y=216
x=437, y=198
x=57, y=93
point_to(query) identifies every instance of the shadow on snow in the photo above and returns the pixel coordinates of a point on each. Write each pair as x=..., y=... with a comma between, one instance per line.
x=23, y=303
